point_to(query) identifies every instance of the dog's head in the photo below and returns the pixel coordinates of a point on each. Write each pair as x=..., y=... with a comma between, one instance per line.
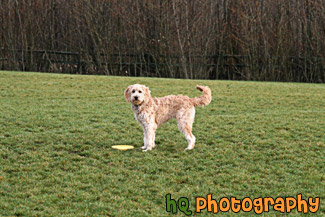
x=137, y=94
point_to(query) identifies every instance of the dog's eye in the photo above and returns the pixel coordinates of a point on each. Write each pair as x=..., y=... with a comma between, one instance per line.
x=140, y=91
x=133, y=91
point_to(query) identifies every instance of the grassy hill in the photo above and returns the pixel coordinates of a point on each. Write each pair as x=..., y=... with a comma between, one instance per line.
x=255, y=139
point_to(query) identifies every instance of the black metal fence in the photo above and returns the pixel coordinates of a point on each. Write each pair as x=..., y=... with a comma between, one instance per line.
x=40, y=60
x=221, y=66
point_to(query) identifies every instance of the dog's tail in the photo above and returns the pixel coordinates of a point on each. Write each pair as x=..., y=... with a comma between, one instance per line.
x=204, y=99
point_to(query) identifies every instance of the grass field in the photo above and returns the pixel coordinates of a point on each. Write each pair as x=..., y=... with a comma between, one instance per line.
x=255, y=139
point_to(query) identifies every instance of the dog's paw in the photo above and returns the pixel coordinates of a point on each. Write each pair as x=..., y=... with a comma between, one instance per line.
x=143, y=147
x=147, y=149
x=188, y=148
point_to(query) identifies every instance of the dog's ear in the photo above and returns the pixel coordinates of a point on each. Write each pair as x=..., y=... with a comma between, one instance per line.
x=127, y=94
x=147, y=91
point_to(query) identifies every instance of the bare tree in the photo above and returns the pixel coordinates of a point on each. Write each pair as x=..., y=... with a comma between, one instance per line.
x=207, y=39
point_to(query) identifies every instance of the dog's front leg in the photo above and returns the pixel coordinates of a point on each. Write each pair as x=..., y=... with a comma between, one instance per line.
x=149, y=137
x=145, y=138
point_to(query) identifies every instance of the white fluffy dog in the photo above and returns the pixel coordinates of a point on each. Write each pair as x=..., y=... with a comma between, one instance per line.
x=153, y=112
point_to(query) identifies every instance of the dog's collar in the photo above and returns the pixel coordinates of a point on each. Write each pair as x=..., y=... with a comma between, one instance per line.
x=137, y=106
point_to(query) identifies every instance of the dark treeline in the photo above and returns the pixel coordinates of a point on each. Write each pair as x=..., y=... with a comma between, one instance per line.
x=274, y=40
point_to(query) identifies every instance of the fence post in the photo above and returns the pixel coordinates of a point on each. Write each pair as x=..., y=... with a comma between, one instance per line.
x=79, y=63
x=222, y=63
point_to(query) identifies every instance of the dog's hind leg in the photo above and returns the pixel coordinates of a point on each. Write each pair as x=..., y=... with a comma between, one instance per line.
x=185, y=121
x=189, y=137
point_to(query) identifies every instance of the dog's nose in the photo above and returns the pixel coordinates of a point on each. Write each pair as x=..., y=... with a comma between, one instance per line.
x=136, y=98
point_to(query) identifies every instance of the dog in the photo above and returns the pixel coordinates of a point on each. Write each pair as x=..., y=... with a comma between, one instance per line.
x=153, y=112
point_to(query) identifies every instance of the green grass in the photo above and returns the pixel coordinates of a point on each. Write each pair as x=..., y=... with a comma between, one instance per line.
x=56, y=131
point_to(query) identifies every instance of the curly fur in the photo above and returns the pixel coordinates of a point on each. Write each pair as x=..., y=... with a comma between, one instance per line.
x=153, y=112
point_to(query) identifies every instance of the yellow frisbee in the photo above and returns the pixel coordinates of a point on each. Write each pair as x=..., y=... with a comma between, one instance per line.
x=123, y=147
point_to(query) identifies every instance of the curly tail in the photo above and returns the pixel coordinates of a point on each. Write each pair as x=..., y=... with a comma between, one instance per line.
x=204, y=99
